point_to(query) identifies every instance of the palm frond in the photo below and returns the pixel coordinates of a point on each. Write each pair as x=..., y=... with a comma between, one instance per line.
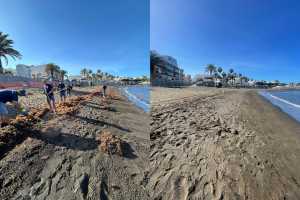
x=6, y=48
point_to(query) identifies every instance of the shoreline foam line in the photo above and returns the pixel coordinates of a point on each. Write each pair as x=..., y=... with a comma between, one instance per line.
x=138, y=102
x=284, y=101
x=133, y=96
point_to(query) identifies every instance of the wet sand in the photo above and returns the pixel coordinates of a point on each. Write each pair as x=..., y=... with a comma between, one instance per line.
x=59, y=158
x=221, y=144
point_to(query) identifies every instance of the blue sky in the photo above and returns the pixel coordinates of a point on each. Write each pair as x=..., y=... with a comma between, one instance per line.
x=258, y=38
x=112, y=35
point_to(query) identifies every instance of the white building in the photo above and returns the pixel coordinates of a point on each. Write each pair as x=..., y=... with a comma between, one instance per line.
x=39, y=72
x=23, y=71
x=75, y=77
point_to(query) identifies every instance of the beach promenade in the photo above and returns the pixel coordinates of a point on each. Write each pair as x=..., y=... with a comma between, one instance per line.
x=209, y=143
x=59, y=157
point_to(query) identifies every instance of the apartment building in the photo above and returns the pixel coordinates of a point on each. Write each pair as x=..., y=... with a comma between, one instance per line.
x=165, y=67
x=23, y=71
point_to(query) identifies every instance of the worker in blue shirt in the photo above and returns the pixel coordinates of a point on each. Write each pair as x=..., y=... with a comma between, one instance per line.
x=11, y=96
x=49, y=92
x=62, y=91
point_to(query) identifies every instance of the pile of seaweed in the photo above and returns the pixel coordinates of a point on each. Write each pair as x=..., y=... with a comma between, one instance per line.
x=110, y=144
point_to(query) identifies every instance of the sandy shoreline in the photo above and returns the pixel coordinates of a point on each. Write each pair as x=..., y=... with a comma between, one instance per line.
x=222, y=144
x=61, y=159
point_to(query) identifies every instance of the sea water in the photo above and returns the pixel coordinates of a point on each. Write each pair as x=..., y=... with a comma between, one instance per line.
x=288, y=101
x=139, y=95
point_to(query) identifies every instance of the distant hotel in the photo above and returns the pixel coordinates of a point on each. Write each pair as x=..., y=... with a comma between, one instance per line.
x=23, y=71
x=165, y=71
x=32, y=71
x=39, y=72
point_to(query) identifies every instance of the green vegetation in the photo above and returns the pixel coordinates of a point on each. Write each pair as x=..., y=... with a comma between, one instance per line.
x=55, y=71
x=231, y=78
x=210, y=68
x=7, y=50
x=52, y=70
x=63, y=74
x=99, y=75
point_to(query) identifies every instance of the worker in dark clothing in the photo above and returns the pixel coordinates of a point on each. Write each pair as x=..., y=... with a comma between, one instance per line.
x=62, y=91
x=104, y=90
x=69, y=89
x=12, y=97
x=49, y=92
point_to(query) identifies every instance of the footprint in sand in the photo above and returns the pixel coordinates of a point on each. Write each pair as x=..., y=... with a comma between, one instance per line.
x=180, y=188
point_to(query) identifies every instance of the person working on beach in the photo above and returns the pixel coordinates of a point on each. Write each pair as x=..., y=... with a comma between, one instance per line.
x=48, y=91
x=69, y=88
x=12, y=97
x=104, y=90
x=62, y=91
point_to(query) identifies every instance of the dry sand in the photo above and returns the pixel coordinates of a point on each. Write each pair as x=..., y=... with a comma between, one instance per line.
x=221, y=144
x=60, y=158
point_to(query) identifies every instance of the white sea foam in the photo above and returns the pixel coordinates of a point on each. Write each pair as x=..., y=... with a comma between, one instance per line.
x=284, y=101
x=136, y=98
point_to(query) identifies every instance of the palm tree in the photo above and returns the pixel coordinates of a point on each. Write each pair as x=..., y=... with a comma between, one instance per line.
x=230, y=75
x=105, y=75
x=6, y=49
x=94, y=77
x=98, y=74
x=90, y=71
x=240, y=77
x=220, y=70
x=51, y=69
x=220, y=76
x=63, y=73
x=234, y=75
x=99, y=77
x=88, y=74
x=57, y=72
x=216, y=77
x=224, y=74
x=210, y=68
x=84, y=72
x=224, y=77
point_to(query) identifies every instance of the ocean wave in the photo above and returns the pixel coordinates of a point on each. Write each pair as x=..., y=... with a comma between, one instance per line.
x=135, y=97
x=292, y=109
x=284, y=101
x=136, y=100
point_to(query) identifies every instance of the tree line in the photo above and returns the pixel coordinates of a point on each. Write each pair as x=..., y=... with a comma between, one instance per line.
x=226, y=78
x=98, y=75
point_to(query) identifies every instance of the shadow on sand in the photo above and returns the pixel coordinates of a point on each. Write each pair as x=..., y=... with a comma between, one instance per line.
x=56, y=137
x=98, y=122
x=111, y=109
x=128, y=151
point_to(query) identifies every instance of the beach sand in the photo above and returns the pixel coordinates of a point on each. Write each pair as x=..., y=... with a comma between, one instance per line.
x=209, y=143
x=60, y=157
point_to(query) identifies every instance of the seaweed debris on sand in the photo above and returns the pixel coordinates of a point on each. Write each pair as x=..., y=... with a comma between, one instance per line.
x=110, y=144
